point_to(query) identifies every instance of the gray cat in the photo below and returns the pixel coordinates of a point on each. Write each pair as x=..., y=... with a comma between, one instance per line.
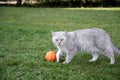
x=95, y=41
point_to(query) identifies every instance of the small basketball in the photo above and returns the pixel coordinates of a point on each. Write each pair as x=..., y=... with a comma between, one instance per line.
x=50, y=56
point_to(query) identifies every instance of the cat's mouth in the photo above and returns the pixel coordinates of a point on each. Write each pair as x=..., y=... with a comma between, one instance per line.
x=60, y=44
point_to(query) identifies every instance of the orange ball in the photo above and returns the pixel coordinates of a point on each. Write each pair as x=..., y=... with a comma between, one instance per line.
x=50, y=56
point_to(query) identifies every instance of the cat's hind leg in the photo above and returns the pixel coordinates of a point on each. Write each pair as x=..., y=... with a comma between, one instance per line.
x=95, y=57
x=110, y=55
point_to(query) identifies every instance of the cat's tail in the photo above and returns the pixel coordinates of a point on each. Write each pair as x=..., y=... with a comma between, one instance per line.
x=116, y=50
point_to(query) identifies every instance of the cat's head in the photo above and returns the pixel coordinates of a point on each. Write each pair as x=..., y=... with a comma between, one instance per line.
x=59, y=38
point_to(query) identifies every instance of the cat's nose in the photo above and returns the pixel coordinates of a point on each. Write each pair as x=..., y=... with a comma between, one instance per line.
x=59, y=43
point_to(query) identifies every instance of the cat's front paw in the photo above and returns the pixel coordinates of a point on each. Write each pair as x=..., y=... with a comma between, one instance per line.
x=91, y=60
x=65, y=62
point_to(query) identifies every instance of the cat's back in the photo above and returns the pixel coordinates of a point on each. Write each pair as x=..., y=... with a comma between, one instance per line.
x=89, y=32
x=89, y=37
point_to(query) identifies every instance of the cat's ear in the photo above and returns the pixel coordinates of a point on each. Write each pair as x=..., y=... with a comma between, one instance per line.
x=53, y=33
x=65, y=32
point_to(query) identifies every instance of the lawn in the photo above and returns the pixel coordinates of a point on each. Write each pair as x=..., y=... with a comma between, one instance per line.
x=25, y=37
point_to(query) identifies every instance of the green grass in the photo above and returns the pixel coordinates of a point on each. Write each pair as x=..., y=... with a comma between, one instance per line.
x=25, y=37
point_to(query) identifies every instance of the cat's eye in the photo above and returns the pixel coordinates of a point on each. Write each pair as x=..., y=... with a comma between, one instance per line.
x=61, y=39
x=56, y=39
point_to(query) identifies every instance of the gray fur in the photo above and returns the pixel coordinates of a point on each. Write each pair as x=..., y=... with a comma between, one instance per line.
x=95, y=41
